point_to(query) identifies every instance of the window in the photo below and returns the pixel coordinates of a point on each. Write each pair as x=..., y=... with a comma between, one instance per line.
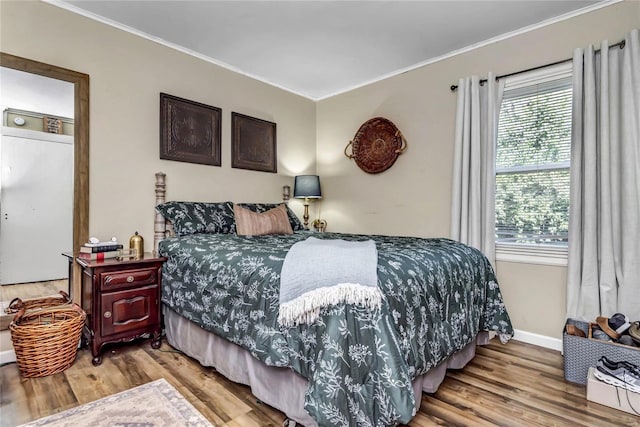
x=532, y=166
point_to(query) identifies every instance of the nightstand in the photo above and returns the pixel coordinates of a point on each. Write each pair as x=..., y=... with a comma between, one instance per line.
x=122, y=300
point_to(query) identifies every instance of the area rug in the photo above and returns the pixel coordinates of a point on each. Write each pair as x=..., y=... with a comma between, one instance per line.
x=155, y=404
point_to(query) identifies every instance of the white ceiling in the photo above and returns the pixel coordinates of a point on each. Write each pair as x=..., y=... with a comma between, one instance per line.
x=32, y=92
x=320, y=48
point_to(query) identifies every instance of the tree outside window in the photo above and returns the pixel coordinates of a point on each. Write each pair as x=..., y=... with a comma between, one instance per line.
x=532, y=165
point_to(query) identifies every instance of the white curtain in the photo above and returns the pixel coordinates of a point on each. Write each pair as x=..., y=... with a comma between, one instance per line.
x=473, y=193
x=604, y=218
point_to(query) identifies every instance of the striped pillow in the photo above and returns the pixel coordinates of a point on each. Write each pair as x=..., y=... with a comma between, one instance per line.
x=274, y=221
x=296, y=224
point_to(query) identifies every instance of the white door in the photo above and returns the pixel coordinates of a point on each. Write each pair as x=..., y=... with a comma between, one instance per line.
x=36, y=206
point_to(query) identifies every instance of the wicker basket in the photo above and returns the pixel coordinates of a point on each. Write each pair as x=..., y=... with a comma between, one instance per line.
x=17, y=304
x=46, y=340
x=582, y=353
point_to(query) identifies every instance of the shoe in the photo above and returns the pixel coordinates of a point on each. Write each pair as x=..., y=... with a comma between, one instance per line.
x=615, y=326
x=597, y=334
x=620, y=374
x=614, y=365
x=574, y=330
x=634, y=332
x=627, y=340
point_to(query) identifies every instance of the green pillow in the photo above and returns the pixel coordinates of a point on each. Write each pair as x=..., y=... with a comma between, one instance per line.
x=199, y=217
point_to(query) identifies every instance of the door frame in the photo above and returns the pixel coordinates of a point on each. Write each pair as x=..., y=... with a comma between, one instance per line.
x=81, y=145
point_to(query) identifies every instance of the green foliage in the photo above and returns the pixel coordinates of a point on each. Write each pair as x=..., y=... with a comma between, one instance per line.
x=532, y=182
x=532, y=207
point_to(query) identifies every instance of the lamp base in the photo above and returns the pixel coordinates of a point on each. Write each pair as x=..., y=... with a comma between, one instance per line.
x=305, y=217
x=319, y=225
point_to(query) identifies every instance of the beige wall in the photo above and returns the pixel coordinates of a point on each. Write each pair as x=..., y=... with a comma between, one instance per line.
x=413, y=197
x=127, y=73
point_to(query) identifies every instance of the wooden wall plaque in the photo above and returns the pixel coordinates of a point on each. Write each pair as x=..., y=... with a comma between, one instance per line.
x=253, y=144
x=189, y=131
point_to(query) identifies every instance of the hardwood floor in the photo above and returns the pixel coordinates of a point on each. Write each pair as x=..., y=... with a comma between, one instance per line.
x=515, y=384
x=33, y=289
x=27, y=291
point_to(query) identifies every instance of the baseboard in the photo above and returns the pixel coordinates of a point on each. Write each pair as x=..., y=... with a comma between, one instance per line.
x=539, y=340
x=7, y=356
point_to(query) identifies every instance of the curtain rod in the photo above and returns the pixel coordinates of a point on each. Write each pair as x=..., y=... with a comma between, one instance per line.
x=483, y=81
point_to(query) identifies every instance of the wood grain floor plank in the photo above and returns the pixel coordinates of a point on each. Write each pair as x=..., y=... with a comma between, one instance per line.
x=195, y=382
x=504, y=385
x=524, y=351
x=516, y=360
x=251, y=419
x=502, y=409
x=230, y=397
x=551, y=393
x=33, y=289
x=487, y=405
x=134, y=372
x=54, y=395
x=90, y=383
x=14, y=399
x=425, y=420
x=515, y=374
x=144, y=358
x=206, y=384
x=452, y=414
x=27, y=291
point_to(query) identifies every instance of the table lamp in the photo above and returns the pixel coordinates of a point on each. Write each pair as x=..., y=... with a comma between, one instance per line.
x=307, y=187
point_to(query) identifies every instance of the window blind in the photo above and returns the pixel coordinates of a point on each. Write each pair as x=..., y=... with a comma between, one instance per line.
x=532, y=163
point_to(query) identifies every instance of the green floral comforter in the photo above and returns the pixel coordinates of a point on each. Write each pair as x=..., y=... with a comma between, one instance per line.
x=438, y=295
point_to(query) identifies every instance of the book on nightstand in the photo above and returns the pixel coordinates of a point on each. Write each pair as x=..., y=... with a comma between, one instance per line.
x=99, y=256
x=103, y=248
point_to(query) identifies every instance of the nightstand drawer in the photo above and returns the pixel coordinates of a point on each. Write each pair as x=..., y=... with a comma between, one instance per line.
x=122, y=298
x=131, y=309
x=128, y=278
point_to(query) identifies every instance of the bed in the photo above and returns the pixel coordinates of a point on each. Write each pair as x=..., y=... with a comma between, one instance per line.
x=353, y=366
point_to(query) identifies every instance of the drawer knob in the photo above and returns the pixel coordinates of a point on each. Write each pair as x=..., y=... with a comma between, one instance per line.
x=108, y=280
x=107, y=314
x=130, y=279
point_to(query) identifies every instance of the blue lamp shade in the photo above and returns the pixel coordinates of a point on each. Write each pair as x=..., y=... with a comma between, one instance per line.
x=307, y=186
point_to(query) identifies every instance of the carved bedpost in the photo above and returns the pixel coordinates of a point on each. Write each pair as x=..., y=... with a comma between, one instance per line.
x=159, y=226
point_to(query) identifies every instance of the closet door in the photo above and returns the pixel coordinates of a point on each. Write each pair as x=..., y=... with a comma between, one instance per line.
x=36, y=205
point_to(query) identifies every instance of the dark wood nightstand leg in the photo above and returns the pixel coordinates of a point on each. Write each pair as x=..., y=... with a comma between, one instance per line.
x=157, y=340
x=95, y=350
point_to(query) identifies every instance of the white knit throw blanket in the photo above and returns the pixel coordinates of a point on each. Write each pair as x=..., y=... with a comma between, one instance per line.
x=319, y=273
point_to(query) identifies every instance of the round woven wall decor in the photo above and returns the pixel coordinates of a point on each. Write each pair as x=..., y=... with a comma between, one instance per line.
x=377, y=145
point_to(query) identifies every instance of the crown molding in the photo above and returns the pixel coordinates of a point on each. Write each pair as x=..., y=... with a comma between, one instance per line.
x=478, y=45
x=523, y=30
x=136, y=32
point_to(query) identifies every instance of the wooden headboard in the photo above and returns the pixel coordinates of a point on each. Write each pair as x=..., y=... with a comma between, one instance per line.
x=161, y=227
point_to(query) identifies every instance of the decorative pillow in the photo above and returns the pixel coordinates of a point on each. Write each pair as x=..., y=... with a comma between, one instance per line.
x=199, y=217
x=273, y=221
x=296, y=224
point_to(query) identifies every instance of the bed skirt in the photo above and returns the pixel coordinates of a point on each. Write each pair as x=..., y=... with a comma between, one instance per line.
x=239, y=366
